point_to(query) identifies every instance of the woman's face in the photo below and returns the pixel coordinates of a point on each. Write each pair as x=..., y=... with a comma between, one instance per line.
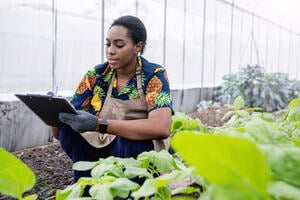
x=120, y=50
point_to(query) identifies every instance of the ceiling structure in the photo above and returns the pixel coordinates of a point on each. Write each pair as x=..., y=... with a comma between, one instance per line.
x=282, y=12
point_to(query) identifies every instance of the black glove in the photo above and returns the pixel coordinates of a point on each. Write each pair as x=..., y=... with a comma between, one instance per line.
x=50, y=93
x=80, y=122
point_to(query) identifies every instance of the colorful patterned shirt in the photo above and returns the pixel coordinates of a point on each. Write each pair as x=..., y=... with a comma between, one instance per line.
x=92, y=89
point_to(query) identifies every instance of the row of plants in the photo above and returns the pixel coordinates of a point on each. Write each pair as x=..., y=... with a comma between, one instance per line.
x=254, y=155
x=271, y=91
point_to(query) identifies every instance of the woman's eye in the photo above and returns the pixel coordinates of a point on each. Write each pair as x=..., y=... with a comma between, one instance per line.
x=119, y=46
x=107, y=45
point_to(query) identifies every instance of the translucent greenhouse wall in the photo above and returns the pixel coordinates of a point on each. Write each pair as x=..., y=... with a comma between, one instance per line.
x=49, y=43
x=53, y=42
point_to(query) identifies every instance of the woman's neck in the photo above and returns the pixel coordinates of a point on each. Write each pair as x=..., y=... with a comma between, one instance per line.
x=128, y=72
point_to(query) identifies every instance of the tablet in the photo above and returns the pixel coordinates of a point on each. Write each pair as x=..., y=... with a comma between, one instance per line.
x=47, y=107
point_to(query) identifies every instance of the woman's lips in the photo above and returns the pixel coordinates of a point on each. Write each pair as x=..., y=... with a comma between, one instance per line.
x=112, y=61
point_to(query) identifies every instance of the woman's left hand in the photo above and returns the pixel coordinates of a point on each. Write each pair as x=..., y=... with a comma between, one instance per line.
x=80, y=122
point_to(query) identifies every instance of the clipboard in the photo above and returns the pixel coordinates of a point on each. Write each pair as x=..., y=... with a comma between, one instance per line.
x=47, y=107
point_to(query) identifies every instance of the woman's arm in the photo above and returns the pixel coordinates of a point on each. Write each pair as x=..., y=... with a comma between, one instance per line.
x=156, y=126
x=55, y=131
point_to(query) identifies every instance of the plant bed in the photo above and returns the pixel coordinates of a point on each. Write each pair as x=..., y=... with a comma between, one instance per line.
x=53, y=168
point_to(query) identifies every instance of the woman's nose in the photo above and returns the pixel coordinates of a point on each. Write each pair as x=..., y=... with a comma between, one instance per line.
x=110, y=49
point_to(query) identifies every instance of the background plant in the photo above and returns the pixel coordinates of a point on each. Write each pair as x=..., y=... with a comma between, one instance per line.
x=271, y=91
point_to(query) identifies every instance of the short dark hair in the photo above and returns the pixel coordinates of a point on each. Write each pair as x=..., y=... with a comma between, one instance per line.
x=136, y=29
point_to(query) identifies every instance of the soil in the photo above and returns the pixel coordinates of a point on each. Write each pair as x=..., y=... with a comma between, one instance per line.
x=53, y=168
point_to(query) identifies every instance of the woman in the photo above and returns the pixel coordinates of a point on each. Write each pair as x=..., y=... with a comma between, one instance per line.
x=124, y=105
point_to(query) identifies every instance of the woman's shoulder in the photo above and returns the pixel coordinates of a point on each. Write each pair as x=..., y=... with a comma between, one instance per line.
x=100, y=68
x=150, y=67
x=97, y=70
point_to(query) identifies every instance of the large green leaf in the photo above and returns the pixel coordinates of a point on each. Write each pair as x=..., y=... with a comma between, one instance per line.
x=225, y=160
x=284, y=162
x=84, y=165
x=146, y=190
x=107, y=169
x=282, y=190
x=264, y=132
x=294, y=114
x=234, y=192
x=15, y=177
x=163, y=161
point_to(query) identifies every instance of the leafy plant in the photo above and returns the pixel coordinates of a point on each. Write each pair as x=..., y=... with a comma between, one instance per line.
x=255, y=158
x=234, y=167
x=112, y=177
x=15, y=177
x=271, y=91
x=182, y=122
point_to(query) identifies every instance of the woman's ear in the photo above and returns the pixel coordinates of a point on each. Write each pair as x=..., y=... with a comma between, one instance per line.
x=138, y=47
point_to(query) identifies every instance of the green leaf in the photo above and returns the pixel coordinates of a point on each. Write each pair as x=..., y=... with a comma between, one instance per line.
x=163, y=193
x=261, y=131
x=146, y=190
x=128, y=162
x=107, y=169
x=238, y=103
x=185, y=190
x=119, y=188
x=30, y=197
x=293, y=103
x=182, y=122
x=131, y=172
x=15, y=177
x=243, y=113
x=224, y=160
x=101, y=191
x=294, y=114
x=163, y=160
x=71, y=192
x=227, y=116
x=282, y=190
x=284, y=162
x=234, y=191
x=84, y=165
x=122, y=186
x=172, y=177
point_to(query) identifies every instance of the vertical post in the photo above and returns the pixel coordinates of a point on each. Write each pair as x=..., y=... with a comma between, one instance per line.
x=183, y=56
x=102, y=31
x=54, y=40
x=165, y=33
x=251, y=38
x=289, y=56
x=267, y=47
x=231, y=32
x=203, y=47
x=136, y=7
x=241, y=42
x=279, y=44
x=215, y=45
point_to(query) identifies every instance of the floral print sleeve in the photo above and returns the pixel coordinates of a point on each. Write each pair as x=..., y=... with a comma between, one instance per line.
x=158, y=91
x=82, y=98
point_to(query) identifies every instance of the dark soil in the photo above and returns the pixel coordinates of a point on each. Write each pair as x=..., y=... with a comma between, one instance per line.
x=53, y=168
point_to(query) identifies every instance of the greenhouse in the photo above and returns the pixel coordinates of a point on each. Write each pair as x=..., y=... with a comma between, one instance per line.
x=228, y=69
